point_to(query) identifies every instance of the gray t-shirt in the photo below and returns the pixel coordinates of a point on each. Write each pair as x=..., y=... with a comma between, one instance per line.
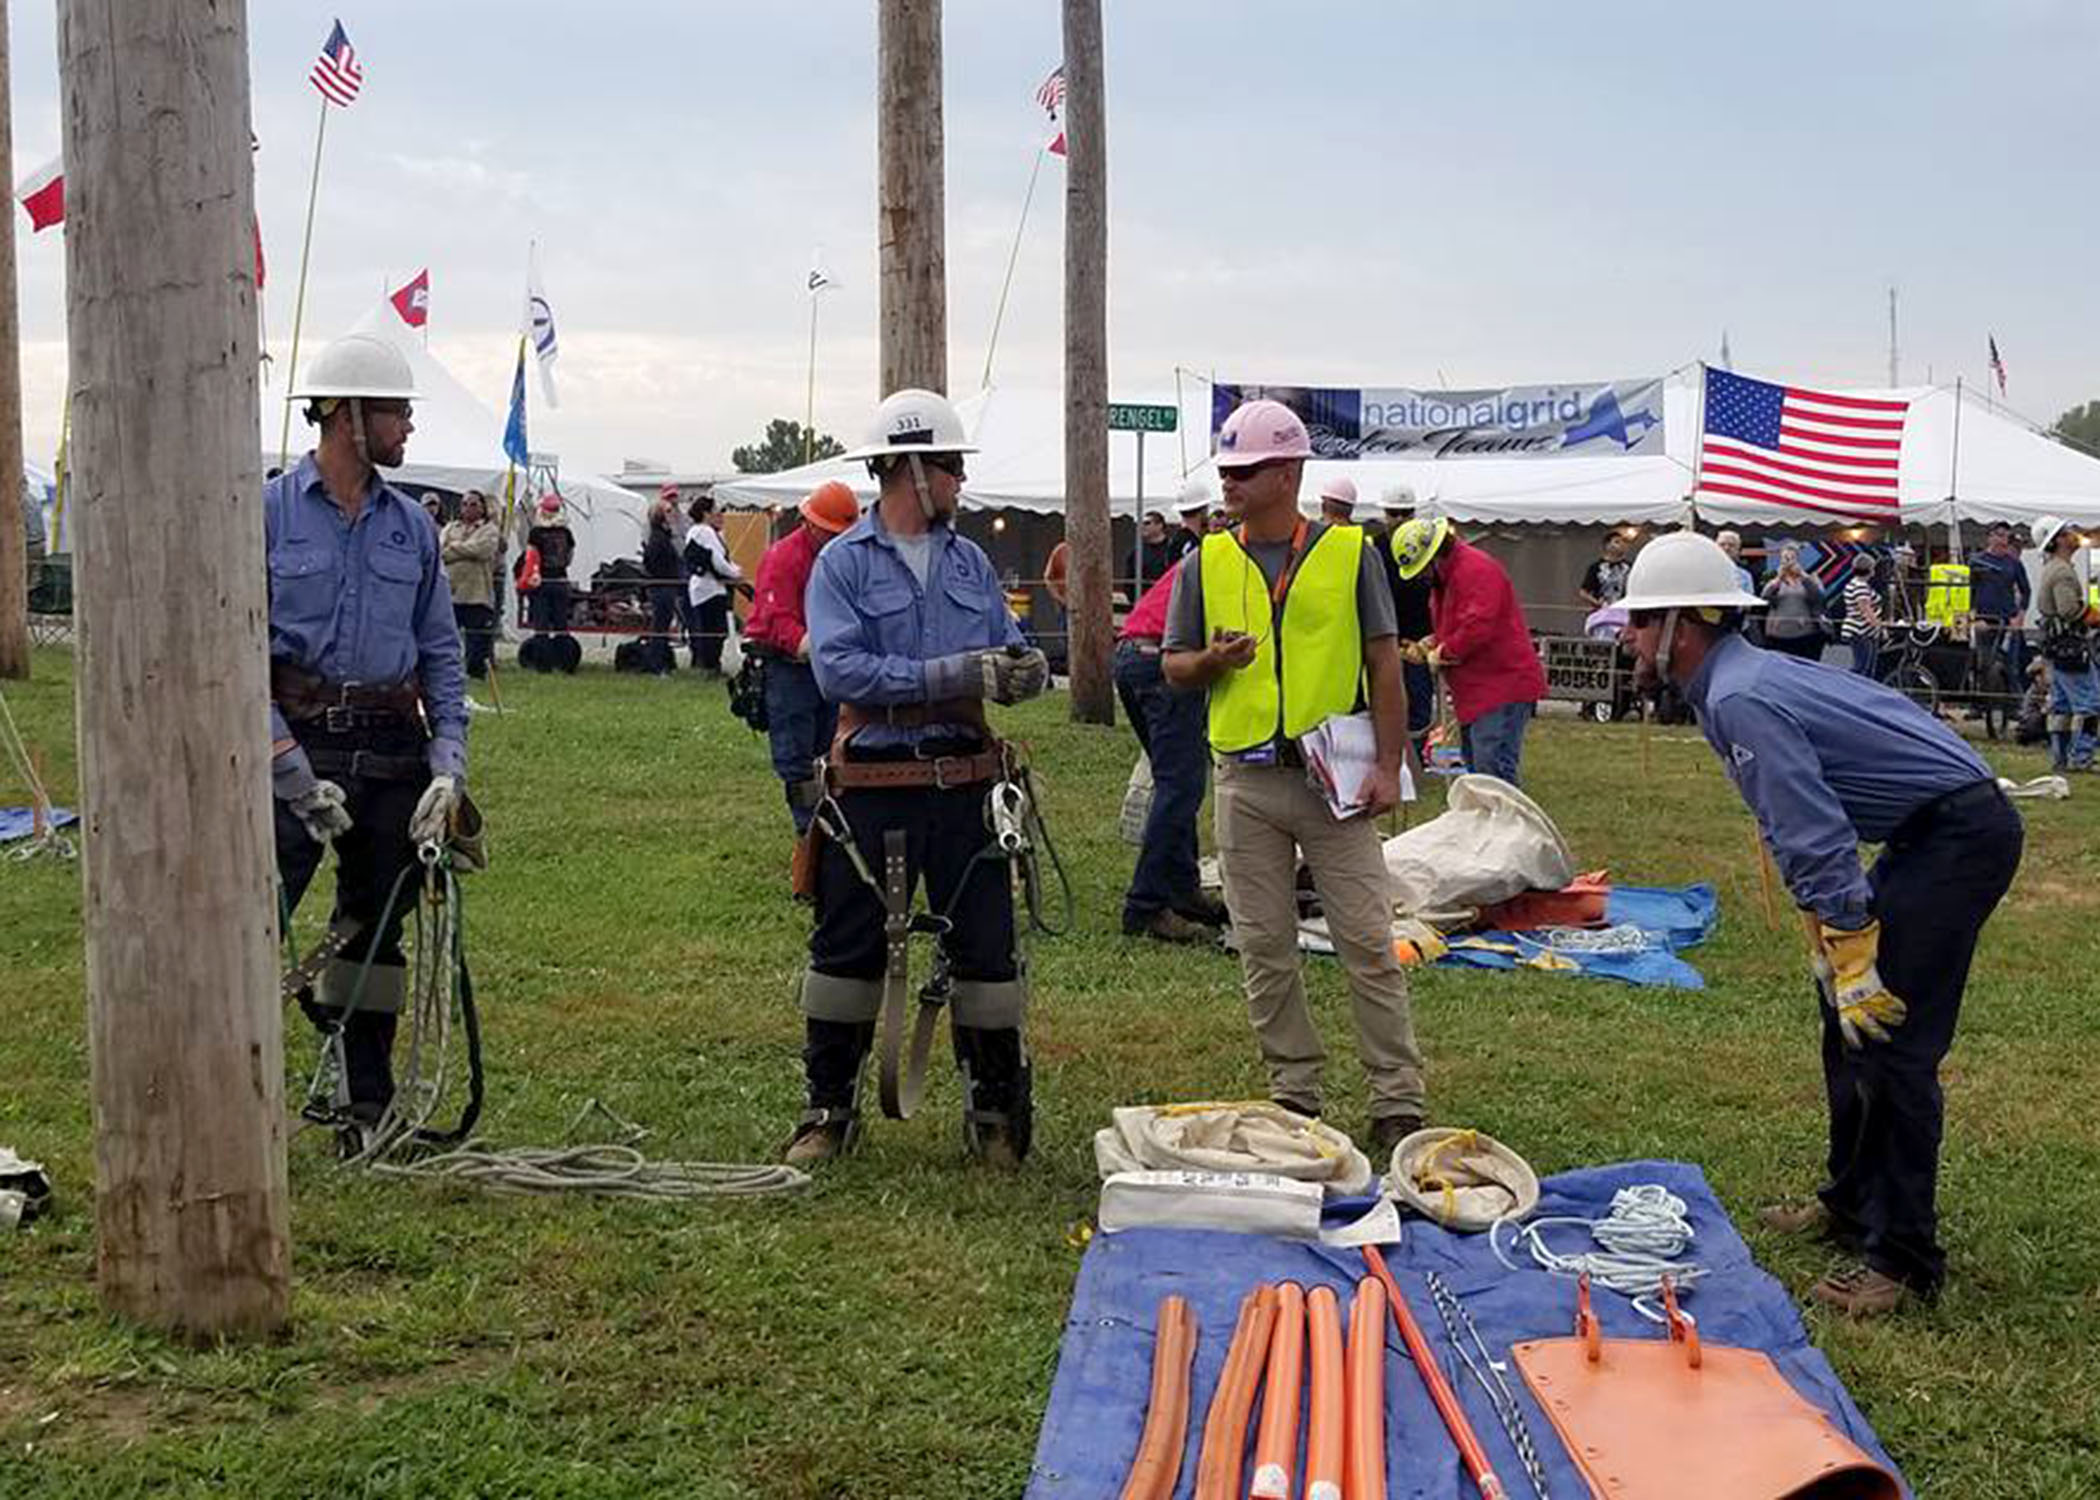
x=917, y=551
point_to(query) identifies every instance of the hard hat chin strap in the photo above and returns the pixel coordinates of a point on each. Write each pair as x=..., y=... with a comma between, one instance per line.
x=918, y=483
x=357, y=431
x=1666, y=645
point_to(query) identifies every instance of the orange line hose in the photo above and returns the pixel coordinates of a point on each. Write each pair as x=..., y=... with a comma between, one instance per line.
x=1158, y=1461
x=1276, y=1440
x=1324, y=1423
x=1440, y=1392
x=1225, y=1429
x=1364, y=1429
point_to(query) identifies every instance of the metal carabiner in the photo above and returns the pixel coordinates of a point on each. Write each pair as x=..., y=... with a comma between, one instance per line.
x=1008, y=809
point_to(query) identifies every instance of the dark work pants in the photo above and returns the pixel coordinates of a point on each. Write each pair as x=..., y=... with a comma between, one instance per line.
x=369, y=858
x=1938, y=880
x=547, y=607
x=944, y=831
x=477, y=634
x=664, y=618
x=710, y=629
x=1808, y=647
x=799, y=726
x=1172, y=726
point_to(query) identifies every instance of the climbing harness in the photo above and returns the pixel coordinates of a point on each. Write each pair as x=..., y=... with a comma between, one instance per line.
x=1491, y=1375
x=1019, y=839
x=1642, y=1237
x=1464, y=1180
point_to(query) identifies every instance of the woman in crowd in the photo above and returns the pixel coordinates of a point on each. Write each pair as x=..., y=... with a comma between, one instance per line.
x=1794, y=622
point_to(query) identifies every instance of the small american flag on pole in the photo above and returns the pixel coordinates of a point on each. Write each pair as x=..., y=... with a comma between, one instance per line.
x=1051, y=96
x=1802, y=450
x=1997, y=366
x=336, y=73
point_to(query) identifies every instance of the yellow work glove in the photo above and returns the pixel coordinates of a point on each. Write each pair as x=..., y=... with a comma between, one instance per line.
x=1866, y=1011
x=1433, y=655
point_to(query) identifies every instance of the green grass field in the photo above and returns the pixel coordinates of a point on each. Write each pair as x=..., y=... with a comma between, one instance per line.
x=894, y=1331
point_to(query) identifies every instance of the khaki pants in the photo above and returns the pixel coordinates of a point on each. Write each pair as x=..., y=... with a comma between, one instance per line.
x=1266, y=814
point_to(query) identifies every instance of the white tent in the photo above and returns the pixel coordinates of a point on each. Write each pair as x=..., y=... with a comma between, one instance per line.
x=458, y=445
x=2006, y=470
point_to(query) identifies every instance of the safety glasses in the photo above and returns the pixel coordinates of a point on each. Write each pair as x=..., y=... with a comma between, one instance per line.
x=950, y=464
x=402, y=409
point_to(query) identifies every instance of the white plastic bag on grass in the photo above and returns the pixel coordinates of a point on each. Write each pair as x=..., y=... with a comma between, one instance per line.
x=1490, y=843
x=1137, y=801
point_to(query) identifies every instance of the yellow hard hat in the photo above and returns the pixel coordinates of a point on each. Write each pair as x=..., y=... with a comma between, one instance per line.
x=1416, y=542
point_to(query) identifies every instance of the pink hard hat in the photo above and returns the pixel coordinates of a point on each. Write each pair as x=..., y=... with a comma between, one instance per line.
x=549, y=504
x=1341, y=490
x=1258, y=431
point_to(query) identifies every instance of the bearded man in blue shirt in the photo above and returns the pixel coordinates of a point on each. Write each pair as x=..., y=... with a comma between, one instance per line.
x=1828, y=762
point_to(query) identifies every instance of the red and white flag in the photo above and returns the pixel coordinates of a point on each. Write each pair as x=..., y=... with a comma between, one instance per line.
x=413, y=300
x=1051, y=96
x=43, y=193
x=1804, y=450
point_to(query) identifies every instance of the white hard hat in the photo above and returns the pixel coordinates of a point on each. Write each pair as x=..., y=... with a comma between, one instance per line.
x=1341, y=490
x=357, y=364
x=1195, y=495
x=914, y=421
x=2045, y=530
x=1684, y=570
x=1398, y=497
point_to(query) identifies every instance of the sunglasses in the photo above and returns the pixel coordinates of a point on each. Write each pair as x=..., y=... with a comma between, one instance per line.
x=401, y=409
x=950, y=464
x=1252, y=471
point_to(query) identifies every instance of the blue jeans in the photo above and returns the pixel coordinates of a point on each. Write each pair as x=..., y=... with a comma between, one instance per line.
x=2074, y=703
x=1173, y=728
x=1494, y=742
x=799, y=725
x=1866, y=654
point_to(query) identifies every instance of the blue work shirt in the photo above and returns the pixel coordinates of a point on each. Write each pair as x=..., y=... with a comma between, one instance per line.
x=1998, y=586
x=1827, y=761
x=364, y=601
x=872, y=628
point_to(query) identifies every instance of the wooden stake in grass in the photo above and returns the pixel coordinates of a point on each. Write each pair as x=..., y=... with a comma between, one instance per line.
x=1766, y=878
x=185, y=1048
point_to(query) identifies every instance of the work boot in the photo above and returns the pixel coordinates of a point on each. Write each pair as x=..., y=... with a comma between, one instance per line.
x=1809, y=1217
x=1168, y=926
x=368, y=1061
x=998, y=1095
x=1388, y=1131
x=1204, y=908
x=1861, y=1292
x=822, y=1135
x=996, y=1147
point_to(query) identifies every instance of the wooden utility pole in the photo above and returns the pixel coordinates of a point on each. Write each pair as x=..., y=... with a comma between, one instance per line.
x=911, y=226
x=1091, y=614
x=14, y=555
x=185, y=1047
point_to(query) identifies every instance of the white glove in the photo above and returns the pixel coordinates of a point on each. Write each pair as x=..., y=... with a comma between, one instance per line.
x=320, y=806
x=431, y=822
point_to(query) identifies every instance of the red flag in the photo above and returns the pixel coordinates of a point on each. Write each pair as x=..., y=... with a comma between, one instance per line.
x=258, y=254
x=43, y=193
x=413, y=300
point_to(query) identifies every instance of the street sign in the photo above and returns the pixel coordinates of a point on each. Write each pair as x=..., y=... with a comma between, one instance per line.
x=1123, y=417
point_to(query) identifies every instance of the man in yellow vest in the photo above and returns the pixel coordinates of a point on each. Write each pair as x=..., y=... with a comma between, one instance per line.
x=1284, y=621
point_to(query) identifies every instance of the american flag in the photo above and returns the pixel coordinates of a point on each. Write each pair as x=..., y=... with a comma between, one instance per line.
x=336, y=73
x=1801, y=449
x=1997, y=366
x=1052, y=98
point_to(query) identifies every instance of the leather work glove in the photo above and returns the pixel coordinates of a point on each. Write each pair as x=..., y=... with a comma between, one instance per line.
x=1866, y=1010
x=431, y=822
x=1000, y=675
x=320, y=806
x=1433, y=655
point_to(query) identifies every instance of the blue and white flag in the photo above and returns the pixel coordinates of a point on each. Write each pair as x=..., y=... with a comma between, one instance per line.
x=539, y=324
x=514, y=445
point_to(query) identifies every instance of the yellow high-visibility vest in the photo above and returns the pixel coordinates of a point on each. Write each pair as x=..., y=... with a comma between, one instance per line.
x=1947, y=593
x=1322, y=638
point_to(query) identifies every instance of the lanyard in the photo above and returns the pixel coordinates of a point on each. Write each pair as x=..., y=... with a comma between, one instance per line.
x=1290, y=565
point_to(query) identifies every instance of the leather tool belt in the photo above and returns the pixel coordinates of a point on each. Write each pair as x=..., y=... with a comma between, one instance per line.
x=343, y=707
x=941, y=772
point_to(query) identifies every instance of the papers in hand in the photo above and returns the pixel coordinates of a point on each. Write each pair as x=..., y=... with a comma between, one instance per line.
x=1340, y=755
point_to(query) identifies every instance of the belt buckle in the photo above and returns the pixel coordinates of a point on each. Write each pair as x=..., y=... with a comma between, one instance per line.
x=940, y=774
x=339, y=718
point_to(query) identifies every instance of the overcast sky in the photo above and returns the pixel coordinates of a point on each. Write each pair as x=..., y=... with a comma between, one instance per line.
x=1400, y=193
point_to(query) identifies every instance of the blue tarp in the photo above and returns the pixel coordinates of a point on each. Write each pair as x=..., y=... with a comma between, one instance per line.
x=1097, y=1403
x=20, y=822
x=1673, y=916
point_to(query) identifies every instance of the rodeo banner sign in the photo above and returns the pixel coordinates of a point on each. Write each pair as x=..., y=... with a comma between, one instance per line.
x=1610, y=419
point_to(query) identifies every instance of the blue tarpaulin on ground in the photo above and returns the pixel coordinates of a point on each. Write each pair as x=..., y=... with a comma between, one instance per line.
x=1673, y=917
x=1097, y=1403
x=20, y=822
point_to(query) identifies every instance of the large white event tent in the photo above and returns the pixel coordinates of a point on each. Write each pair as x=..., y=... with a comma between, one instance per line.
x=458, y=445
x=1999, y=469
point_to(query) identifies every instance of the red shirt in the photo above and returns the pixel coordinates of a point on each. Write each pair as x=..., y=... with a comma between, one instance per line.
x=776, y=619
x=1488, y=656
x=1148, y=620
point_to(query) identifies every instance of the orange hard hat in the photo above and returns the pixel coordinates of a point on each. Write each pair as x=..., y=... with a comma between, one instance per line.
x=831, y=507
x=1056, y=571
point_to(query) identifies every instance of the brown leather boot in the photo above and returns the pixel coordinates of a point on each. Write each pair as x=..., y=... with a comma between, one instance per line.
x=1861, y=1292
x=1806, y=1216
x=821, y=1135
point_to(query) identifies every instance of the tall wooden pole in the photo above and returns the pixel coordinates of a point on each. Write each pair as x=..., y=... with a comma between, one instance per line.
x=911, y=225
x=1091, y=615
x=14, y=556
x=185, y=1048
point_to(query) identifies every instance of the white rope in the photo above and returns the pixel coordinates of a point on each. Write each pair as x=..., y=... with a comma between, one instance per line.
x=1625, y=938
x=52, y=841
x=1642, y=1238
